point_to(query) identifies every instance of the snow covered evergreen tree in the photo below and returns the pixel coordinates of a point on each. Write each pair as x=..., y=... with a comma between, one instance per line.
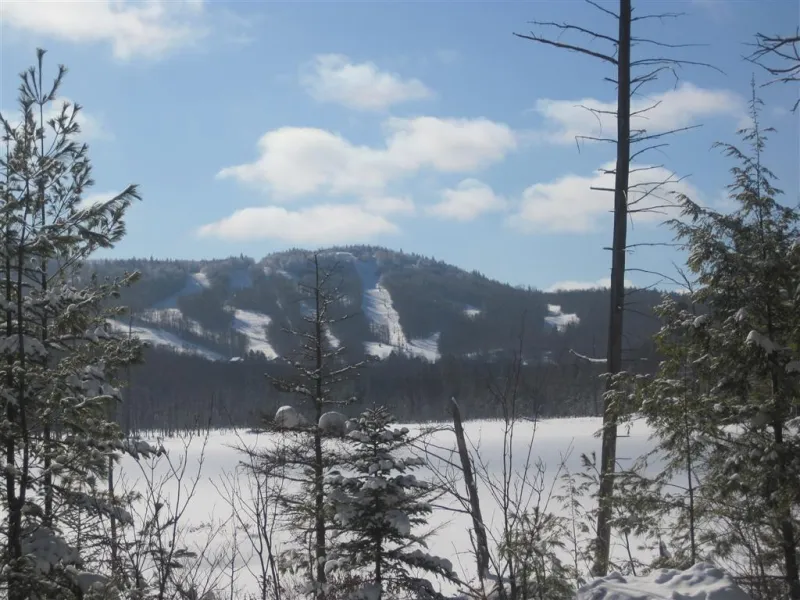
x=377, y=508
x=738, y=423
x=57, y=359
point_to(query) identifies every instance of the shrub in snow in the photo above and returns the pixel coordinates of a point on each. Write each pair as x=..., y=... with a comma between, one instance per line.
x=333, y=423
x=287, y=417
x=703, y=581
x=377, y=510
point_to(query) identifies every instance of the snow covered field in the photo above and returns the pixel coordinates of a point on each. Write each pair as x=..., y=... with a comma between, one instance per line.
x=556, y=442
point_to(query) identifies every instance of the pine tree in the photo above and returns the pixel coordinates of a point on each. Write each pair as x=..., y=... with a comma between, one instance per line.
x=377, y=509
x=739, y=420
x=57, y=359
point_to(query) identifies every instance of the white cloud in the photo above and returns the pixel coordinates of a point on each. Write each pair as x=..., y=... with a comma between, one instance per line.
x=470, y=199
x=323, y=224
x=362, y=86
x=572, y=285
x=568, y=205
x=298, y=161
x=148, y=28
x=680, y=107
x=387, y=205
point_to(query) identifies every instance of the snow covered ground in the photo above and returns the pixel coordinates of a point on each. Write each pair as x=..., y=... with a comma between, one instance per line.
x=557, y=443
x=558, y=319
x=703, y=581
x=160, y=337
x=253, y=325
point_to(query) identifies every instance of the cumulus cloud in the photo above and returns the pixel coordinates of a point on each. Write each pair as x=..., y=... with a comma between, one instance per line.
x=361, y=86
x=149, y=28
x=322, y=224
x=298, y=161
x=467, y=201
x=572, y=285
x=568, y=205
x=683, y=106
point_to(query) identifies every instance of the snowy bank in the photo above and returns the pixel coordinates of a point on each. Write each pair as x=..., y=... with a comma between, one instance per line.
x=703, y=581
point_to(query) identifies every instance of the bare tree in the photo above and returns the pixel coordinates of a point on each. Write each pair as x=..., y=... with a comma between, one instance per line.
x=631, y=75
x=521, y=552
x=779, y=55
x=253, y=495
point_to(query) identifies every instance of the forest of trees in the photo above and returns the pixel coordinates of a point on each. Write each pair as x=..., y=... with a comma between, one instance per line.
x=355, y=491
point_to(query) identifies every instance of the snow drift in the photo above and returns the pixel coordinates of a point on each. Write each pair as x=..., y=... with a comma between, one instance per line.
x=703, y=581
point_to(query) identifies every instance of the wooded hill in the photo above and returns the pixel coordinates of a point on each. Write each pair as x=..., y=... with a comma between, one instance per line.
x=433, y=331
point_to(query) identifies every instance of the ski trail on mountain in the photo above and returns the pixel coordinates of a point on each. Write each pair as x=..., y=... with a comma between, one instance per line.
x=379, y=309
x=253, y=325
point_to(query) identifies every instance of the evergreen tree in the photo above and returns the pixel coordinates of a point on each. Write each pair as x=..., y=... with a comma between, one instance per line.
x=738, y=422
x=57, y=359
x=377, y=509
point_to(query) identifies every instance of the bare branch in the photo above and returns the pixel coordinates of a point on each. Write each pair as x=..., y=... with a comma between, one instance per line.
x=602, y=9
x=535, y=38
x=568, y=27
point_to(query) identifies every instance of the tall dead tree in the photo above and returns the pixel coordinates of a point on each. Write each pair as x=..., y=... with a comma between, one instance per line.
x=628, y=199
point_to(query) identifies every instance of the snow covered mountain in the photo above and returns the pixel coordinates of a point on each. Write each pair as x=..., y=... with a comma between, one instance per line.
x=401, y=305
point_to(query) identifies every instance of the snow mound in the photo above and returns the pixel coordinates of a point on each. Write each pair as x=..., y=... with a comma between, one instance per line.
x=558, y=319
x=333, y=423
x=253, y=325
x=159, y=337
x=288, y=417
x=703, y=581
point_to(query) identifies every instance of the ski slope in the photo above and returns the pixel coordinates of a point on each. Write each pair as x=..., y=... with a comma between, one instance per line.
x=558, y=319
x=253, y=325
x=158, y=337
x=195, y=283
x=378, y=308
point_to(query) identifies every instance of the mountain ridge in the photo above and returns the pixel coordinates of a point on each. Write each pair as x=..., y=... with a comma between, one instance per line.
x=406, y=304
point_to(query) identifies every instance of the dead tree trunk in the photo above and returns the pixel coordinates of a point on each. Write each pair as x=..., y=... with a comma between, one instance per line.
x=628, y=84
x=608, y=457
x=482, y=546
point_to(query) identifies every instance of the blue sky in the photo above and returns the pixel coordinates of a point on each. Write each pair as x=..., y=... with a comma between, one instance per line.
x=424, y=126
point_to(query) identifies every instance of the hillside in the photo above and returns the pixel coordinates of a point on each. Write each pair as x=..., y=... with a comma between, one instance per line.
x=436, y=331
x=401, y=304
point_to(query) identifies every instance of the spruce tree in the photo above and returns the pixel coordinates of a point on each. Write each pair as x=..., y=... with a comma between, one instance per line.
x=738, y=421
x=377, y=508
